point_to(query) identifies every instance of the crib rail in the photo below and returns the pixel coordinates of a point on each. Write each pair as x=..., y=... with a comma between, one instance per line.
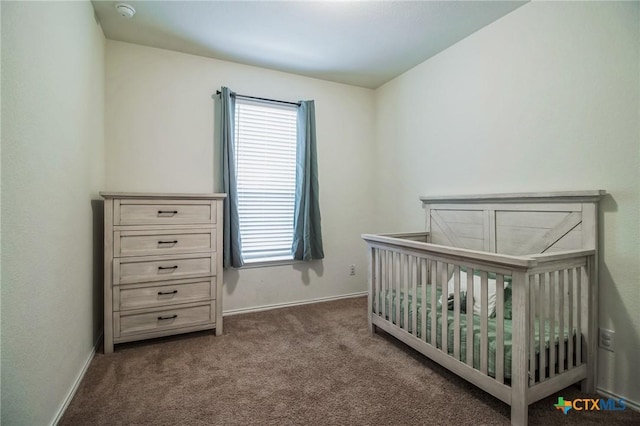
x=497, y=320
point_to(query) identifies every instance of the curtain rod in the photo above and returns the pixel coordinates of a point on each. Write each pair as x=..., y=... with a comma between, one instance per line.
x=263, y=99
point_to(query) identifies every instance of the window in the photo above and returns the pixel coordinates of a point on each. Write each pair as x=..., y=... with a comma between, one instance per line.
x=265, y=144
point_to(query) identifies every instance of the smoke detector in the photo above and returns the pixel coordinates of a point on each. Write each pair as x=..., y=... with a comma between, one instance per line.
x=125, y=10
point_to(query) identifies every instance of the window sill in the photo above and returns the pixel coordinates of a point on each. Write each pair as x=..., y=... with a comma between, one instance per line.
x=249, y=264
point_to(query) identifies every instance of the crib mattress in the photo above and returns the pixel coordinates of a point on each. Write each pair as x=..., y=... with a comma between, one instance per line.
x=491, y=331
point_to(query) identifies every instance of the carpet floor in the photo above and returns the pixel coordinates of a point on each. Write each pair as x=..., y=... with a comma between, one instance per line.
x=308, y=365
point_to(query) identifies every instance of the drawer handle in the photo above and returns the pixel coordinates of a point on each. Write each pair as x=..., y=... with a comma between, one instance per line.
x=171, y=212
x=167, y=267
x=168, y=242
x=168, y=318
x=163, y=293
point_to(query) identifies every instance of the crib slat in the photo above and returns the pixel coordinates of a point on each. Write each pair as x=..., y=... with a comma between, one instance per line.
x=389, y=286
x=541, y=328
x=382, y=257
x=552, y=324
x=469, y=317
x=434, y=304
x=390, y=273
x=415, y=279
x=578, y=319
x=484, y=322
x=380, y=286
x=571, y=330
x=405, y=278
x=371, y=279
x=445, y=304
x=398, y=289
x=531, y=336
x=456, y=312
x=589, y=332
x=377, y=280
x=499, y=362
x=561, y=315
x=383, y=279
x=391, y=291
x=423, y=300
x=373, y=267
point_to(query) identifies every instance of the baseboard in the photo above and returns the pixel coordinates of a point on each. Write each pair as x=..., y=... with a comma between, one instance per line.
x=76, y=384
x=634, y=405
x=290, y=304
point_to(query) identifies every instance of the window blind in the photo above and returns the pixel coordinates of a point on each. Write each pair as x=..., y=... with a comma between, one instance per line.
x=266, y=176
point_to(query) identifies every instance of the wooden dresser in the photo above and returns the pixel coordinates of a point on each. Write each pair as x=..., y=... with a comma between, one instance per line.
x=162, y=265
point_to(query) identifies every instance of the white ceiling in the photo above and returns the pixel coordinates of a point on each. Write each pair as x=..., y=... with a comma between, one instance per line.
x=363, y=43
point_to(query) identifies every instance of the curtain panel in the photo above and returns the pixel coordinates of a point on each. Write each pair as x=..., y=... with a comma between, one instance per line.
x=232, y=256
x=307, y=234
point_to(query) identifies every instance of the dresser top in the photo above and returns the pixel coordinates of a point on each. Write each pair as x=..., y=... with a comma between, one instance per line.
x=165, y=196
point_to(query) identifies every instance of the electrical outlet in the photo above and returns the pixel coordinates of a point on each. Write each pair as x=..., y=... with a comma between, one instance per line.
x=607, y=339
x=352, y=269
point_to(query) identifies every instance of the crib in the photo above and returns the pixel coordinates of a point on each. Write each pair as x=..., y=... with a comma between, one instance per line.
x=501, y=289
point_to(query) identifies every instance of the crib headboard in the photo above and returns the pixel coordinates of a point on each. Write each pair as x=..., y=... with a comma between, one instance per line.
x=515, y=224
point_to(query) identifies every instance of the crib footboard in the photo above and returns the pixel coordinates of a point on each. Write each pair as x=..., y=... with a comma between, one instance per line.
x=518, y=327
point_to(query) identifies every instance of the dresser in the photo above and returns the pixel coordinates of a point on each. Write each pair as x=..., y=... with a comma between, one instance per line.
x=162, y=265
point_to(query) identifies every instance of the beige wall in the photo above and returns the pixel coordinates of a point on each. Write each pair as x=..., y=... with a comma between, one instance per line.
x=52, y=167
x=546, y=98
x=159, y=120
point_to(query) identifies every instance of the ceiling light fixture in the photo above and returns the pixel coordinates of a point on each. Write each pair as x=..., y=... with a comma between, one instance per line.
x=125, y=10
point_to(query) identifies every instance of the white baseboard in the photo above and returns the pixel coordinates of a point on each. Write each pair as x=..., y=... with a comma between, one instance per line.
x=76, y=384
x=289, y=304
x=634, y=405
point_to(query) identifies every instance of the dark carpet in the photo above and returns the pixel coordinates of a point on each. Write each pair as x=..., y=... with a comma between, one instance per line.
x=308, y=365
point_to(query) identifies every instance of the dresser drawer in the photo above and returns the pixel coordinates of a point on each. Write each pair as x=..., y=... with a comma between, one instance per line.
x=129, y=270
x=144, y=243
x=144, y=212
x=165, y=319
x=163, y=294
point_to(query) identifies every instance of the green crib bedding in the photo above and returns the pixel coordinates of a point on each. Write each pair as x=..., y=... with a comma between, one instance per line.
x=491, y=329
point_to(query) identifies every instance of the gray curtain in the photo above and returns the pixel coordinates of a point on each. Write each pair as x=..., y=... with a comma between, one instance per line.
x=307, y=236
x=232, y=255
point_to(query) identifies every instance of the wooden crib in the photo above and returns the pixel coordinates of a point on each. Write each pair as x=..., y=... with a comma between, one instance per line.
x=502, y=290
